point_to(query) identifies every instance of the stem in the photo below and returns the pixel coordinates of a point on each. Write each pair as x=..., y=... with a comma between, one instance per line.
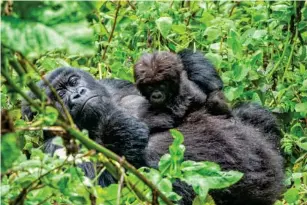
x=112, y=31
x=282, y=56
x=20, y=71
x=289, y=59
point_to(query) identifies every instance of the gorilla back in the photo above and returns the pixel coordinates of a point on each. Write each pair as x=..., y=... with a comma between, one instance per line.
x=234, y=146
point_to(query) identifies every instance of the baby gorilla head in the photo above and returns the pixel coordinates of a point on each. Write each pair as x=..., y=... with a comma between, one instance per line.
x=157, y=77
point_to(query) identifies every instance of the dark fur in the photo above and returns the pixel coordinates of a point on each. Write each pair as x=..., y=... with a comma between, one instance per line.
x=107, y=123
x=233, y=145
x=229, y=142
x=255, y=115
x=203, y=74
x=200, y=71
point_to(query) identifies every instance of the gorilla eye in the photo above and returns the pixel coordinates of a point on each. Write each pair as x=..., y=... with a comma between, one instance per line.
x=73, y=81
x=61, y=93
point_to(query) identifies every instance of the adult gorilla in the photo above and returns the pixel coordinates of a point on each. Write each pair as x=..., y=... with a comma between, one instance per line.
x=91, y=106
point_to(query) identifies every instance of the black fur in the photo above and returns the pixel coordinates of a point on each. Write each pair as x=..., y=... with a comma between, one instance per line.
x=201, y=71
x=261, y=118
x=233, y=145
x=204, y=75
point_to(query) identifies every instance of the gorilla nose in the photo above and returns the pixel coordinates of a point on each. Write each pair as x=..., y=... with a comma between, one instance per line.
x=77, y=95
x=156, y=96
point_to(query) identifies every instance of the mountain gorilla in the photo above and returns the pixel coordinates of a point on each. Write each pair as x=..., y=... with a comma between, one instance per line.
x=112, y=111
x=234, y=145
x=91, y=106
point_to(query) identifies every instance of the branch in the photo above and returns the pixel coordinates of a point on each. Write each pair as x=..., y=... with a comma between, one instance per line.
x=112, y=31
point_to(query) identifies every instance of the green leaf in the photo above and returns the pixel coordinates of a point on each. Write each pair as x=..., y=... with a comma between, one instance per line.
x=233, y=93
x=301, y=107
x=259, y=34
x=180, y=28
x=178, y=137
x=34, y=39
x=165, y=164
x=212, y=33
x=292, y=195
x=51, y=115
x=206, y=18
x=9, y=151
x=215, y=59
x=234, y=42
x=302, y=143
x=239, y=72
x=164, y=25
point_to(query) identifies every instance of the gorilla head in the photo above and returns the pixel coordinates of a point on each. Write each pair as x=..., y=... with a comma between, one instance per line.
x=81, y=94
x=157, y=77
x=78, y=90
x=161, y=79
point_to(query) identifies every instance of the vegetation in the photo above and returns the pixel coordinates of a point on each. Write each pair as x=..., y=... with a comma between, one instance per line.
x=258, y=47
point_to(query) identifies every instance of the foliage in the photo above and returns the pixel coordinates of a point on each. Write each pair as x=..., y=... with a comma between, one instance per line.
x=259, y=49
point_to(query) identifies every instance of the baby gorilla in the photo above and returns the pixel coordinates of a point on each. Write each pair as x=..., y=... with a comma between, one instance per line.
x=230, y=142
x=163, y=80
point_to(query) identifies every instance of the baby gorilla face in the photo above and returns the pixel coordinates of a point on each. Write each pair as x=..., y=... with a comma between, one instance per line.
x=159, y=94
x=157, y=77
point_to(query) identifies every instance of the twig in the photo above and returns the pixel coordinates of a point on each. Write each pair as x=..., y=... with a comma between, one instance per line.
x=51, y=128
x=233, y=8
x=131, y=5
x=282, y=56
x=120, y=185
x=112, y=31
x=289, y=59
x=45, y=200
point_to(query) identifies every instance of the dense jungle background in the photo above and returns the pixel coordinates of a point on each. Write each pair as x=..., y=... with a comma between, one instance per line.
x=258, y=47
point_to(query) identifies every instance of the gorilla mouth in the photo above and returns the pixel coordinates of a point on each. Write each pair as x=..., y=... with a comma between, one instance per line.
x=84, y=104
x=157, y=101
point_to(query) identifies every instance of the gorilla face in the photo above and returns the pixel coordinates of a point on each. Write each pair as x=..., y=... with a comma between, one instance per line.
x=157, y=77
x=159, y=94
x=82, y=95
